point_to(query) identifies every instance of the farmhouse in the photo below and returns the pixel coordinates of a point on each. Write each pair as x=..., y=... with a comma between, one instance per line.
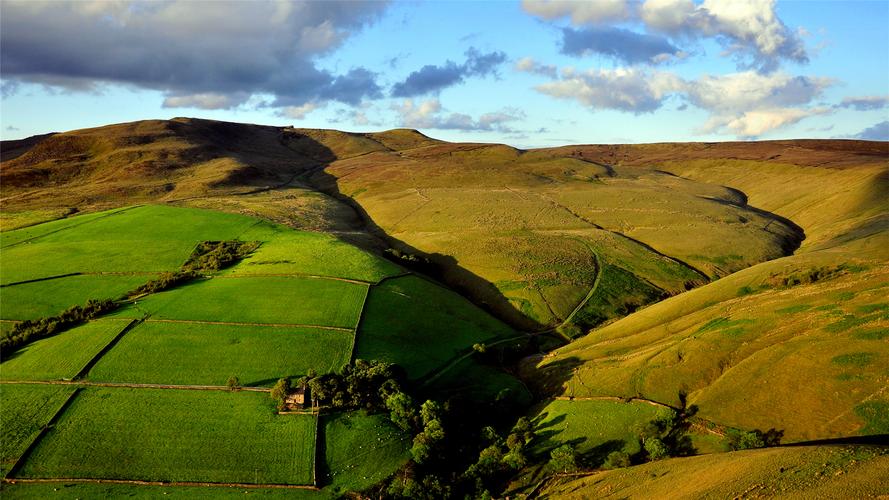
x=295, y=399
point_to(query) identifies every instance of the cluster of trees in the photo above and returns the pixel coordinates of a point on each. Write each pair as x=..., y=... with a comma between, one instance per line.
x=31, y=330
x=745, y=440
x=208, y=256
x=413, y=261
x=215, y=255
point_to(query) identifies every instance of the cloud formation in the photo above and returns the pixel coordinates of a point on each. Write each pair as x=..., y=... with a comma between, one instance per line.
x=748, y=30
x=878, y=132
x=211, y=54
x=429, y=114
x=529, y=65
x=431, y=79
x=746, y=104
x=622, y=45
x=865, y=103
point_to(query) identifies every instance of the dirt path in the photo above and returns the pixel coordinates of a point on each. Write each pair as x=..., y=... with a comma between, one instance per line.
x=232, y=323
x=86, y=383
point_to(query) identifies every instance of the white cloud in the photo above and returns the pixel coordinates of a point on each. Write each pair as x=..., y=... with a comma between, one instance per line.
x=750, y=90
x=205, y=100
x=300, y=112
x=754, y=123
x=580, y=12
x=529, y=65
x=865, y=103
x=624, y=89
x=429, y=114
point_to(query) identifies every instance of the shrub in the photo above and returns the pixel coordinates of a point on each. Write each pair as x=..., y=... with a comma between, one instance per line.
x=656, y=449
x=563, y=459
x=617, y=460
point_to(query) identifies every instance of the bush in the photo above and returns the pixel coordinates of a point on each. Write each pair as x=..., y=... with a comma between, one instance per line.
x=656, y=449
x=563, y=459
x=233, y=383
x=746, y=440
x=617, y=460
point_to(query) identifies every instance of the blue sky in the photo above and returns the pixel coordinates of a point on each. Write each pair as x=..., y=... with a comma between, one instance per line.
x=529, y=74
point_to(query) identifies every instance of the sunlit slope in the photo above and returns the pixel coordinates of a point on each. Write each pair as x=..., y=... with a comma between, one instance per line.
x=793, y=472
x=537, y=229
x=798, y=343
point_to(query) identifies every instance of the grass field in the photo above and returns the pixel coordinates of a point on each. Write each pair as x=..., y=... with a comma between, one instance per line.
x=61, y=356
x=786, y=472
x=477, y=383
x=25, y=410
x=14, y=237
x=285, y=251
x=169, y=435
x=361, y=450
x=432, y=326
x=139, y=239
x=41, y=299
x=594, y=428
x=201, y=354
x=258, y=300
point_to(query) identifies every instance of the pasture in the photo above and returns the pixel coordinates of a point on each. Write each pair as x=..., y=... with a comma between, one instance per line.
x=432, y=326
x=40, y=299
x=285, y=251
x=25, y=410
x=361, y=450
x=176, y=435
x=204, y=354
x=63, y=355
x=263, y=300
x=595, y=428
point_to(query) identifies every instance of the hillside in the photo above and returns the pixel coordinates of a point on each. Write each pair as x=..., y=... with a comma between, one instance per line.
x=735, y=286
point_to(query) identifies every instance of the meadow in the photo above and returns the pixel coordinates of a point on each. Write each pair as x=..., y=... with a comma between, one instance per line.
x=316, y=302
x=202, y=354
x=361, y=450
x=432, y=325
x=61, y=356
x=40, y=299
x=24, y=412
x=176, y=435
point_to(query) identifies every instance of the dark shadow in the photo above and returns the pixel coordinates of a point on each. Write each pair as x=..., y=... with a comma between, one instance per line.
x=322, y=474
x=597, y=455
x=789, y=243
x=876, y=439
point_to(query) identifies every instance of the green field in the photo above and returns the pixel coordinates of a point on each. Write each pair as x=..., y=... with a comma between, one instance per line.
x=172, y=435
x=41, y=299
x=25, y=410
x=474, y=382
x=263, y=300
x=14, y=237
x=80, y=491
x=361, y=450
x=202, y=354
x=593, y=427
x=432, y=326
x=61, y=356
x=285, y=251
x=141, y=239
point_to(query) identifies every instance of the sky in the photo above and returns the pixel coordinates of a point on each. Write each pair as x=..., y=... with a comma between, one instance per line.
x=525, y=73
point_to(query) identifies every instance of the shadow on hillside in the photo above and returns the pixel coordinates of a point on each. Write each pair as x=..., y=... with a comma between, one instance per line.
x=875, y=439
x=789, y=243
x=442, y=268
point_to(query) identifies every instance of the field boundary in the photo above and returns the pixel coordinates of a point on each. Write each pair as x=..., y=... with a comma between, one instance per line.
x=315, y=450
x=125, y=385
x=141, y=482
x=104, y=350
x=294, y=275
x=232, y=323
x=358, y=323
x=25, y=454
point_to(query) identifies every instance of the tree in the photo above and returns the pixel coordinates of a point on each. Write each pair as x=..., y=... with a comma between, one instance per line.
x=401, y=410
x=280, y=391
x=563, y=459
x=233, y=383
x=656, y=448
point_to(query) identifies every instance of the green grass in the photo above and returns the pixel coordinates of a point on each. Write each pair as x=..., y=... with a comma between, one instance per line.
x=285, y=251
x=170, y=435
x=266, y=300
x=594, y=428
x=361, y=450
x=25, y=410
x=875, y=415
x=14, y=237
x=476, y=383
x=421, y=326
x=200, y=354
x=80, y=491
x=619, y=293
x=61, y=356
x=859, y=359
x=41, y=299
x=141, y=239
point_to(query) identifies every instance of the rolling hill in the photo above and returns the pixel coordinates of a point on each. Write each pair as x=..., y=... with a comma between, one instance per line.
x=747, y=281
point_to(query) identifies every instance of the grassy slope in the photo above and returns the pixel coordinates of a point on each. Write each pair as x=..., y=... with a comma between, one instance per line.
x=808, y=356
x=793, y=472
x=61, y=356
x=167, y=353
x=25, y=410
x=176, y=436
